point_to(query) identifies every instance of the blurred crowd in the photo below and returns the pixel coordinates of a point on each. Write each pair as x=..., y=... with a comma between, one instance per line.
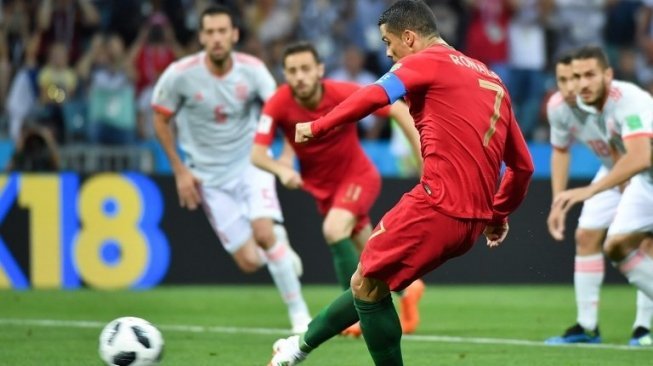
x=82, y=71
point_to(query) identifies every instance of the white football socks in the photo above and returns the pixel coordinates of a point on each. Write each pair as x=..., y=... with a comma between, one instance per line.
x=589, y=271
x=644, y=311
x=282, y=269
x=638, y=269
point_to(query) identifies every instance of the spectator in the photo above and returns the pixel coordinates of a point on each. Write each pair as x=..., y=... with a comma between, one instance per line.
x=109, y=76
x=644, y=61
x=154, y=49
x=364, y=30
x=23, y=92
x=487, y=35
x=452, y=20
x=57, y=82
x=36, y=151
x=528, y=60
x=66, y=22
x=320, y=23
x=352, y=70
x=578, y=23
x=272, y=20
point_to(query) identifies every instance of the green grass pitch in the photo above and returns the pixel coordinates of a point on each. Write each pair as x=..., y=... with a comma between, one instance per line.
x=236, y=325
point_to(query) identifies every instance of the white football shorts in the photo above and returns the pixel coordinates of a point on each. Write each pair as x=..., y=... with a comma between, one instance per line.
x=232, y=206
x=599, y=211
x=635, y=210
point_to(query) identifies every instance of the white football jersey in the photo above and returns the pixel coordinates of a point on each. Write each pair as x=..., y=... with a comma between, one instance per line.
x=216, y=115
x=569, y=124
x=628, y=112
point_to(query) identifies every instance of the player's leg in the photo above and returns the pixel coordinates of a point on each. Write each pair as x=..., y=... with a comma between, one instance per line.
x=589, y=265
x=408, y=243
x=627, y=244
x=346, y=214
x=231, y=225
x=642, y=326
x=337, y=229
x=409, y=297
x=378, y=318
x=360, y=236
x=589, y=270
x=636, y=265
x=282, y=262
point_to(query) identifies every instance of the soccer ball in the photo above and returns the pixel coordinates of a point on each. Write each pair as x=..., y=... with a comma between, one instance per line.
x=131, y=341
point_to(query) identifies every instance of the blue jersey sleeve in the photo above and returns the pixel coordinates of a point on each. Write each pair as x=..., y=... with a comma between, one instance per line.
x=393, y=86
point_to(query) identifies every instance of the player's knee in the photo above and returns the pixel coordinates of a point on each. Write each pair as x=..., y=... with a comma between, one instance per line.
x=248, y=266
x=616, y=248
x=333, y=232
x=247, y=258
x=356, y=283
x=587, y=241
x=264, y=237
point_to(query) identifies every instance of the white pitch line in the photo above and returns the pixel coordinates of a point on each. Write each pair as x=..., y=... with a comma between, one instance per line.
x=54, y=323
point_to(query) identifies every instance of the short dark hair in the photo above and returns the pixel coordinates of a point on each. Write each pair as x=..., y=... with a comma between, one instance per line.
x=217, y=10
x=299, y=47
x=414, y=15
x=595, y=52
x=566, y=58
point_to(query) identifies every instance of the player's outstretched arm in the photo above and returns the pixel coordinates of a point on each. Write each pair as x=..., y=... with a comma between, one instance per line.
x=358, y=105
x=399, y=111
x=636, y=159
x=187, y=184
x=286, y=174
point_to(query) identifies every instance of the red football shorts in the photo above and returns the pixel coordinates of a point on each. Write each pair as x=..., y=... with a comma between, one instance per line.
x=355, y=194
x=413, y=239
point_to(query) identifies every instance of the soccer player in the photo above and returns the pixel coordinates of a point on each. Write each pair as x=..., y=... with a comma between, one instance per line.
x=334, y=170
x=628, y=114
x=569, y=123
x=467, y=129
x=214, y=97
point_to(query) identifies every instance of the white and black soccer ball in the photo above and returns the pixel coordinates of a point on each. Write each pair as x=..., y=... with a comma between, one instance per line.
x=131, y=341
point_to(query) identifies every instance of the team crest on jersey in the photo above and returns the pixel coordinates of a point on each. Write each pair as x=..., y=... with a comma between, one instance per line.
x=395, y=66
x=634, y=122
x=242, y=91
x=264, y=124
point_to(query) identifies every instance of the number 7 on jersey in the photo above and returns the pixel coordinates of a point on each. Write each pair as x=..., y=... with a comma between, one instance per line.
x=497, y=106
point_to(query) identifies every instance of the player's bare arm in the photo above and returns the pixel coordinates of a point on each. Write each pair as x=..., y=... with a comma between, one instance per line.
x=289, y=177
x=187, y=184
x=636, y=159
x=560, y=160
x=287, y=156
x=400, y=113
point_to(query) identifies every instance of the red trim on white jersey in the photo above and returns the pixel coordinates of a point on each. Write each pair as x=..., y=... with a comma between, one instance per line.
x=639, y=134
x=185, y=64
x=560, y=148
x=163, y=110
x=615, y=93
x=555, y=100
x=247, y=59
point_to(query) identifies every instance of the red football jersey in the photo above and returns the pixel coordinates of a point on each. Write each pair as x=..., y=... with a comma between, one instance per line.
x=323, y=162
x=467, y=128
